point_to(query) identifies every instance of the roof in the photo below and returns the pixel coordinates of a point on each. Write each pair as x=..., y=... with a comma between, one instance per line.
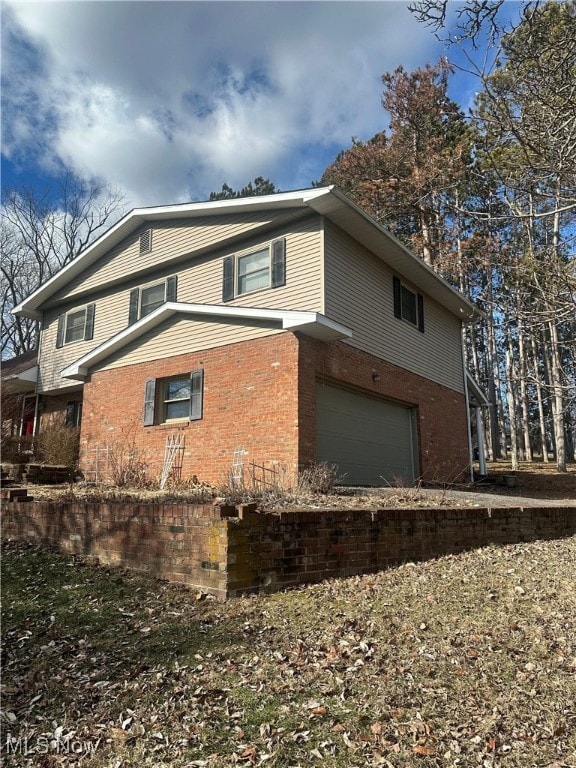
x=310, y=323
x=19, y=374
x=326, y=201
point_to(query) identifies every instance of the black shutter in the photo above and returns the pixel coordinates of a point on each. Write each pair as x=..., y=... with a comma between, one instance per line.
x=89, y=324
x=60, y=331
x=397, y=297
x=134, y=301
x=278, y=263
x=149, y=402
x=420, y=313
x=171, y=288
x=228, y=279
x=196, y=394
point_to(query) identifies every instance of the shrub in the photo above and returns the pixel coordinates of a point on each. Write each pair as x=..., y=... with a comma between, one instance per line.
x=59, y=445
x=319, y=478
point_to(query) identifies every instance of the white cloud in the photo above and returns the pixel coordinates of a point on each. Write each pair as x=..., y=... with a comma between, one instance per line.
x=170, y=99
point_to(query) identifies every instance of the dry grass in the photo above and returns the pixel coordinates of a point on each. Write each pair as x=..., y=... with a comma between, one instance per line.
x=465, y=661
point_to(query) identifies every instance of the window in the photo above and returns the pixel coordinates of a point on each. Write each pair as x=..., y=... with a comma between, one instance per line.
x=408, y=305
x=151, y=298
x=76, y=325
x=147, y=298
x=73, y=413
x=174, y=399
x=254, y=271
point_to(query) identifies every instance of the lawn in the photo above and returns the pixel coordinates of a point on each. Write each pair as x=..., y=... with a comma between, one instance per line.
x=466, y=660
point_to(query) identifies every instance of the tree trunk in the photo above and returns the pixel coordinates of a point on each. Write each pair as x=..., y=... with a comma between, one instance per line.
x=511, y=398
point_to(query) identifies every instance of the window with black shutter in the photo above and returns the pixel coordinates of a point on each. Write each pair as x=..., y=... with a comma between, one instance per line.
x=76, y=325
x=408, y=305
x=146, y=298
x=254, y=271
x=174, y=399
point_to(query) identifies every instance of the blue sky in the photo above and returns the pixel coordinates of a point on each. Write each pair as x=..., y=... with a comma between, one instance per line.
x=168, y=100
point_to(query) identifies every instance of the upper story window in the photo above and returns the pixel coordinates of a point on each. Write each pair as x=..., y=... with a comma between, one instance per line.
x=408, y=305
x=254, y=271
x=76, y=325
x=147, y=298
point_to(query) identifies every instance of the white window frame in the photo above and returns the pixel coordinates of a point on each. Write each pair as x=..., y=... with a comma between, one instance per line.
x=241, y=257
x=164, y=401
x=148, y=286
x=68, y=328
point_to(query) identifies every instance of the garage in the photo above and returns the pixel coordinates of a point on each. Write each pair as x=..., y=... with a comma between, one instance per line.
x=370, y=440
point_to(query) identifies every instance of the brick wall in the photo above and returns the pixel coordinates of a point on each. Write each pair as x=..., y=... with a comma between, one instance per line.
x=228, y=552
x=440, y=412
x=53, y=408
x=260, y=395
x=250, y=401
x=269, y=552
x=185, y=544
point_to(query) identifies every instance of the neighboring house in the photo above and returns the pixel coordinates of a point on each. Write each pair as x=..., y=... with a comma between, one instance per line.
x=19, y=400
x=288, y=329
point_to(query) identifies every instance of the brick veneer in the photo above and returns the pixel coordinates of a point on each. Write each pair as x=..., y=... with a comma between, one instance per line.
x=440, y=411
x=260, y=395
x=228, y=552
x=250, y=402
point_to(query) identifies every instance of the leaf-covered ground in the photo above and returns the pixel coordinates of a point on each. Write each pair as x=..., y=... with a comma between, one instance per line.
x=467, y=660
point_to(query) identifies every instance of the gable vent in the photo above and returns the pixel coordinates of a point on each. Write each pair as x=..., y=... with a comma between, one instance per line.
x=146, y=241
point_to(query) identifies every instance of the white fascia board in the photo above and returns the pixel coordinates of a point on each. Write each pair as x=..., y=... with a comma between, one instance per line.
x=138, y=216
x=311, y=323
x=334, y=203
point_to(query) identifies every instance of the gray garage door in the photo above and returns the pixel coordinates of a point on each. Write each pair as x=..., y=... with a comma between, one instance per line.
x=370, y=440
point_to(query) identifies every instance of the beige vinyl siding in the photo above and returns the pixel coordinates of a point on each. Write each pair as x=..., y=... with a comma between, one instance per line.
x=179, y=335
x=202, y=280
x=199, y=282
x=359, y=295
x=172, y=240
x=110, y=317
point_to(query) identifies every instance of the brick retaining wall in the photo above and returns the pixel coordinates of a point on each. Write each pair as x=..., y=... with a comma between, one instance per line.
x=227, y=551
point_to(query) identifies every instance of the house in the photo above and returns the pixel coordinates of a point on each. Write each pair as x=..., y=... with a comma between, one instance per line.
x=285, y=329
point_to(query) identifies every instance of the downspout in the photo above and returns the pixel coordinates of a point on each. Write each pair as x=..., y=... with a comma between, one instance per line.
x=480, y=441
x=36, y=418
x=468, y=421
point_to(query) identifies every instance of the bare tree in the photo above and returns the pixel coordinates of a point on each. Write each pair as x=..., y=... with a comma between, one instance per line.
x=40, y=234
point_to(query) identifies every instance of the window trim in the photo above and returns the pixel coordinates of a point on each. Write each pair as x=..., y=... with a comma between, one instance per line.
x=276, y=269
x=87, y=329
x=170, y=284
x=154, y=412
x=399, y=290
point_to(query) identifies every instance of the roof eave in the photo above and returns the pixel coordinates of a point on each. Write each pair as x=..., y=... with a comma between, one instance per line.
x=311, y=323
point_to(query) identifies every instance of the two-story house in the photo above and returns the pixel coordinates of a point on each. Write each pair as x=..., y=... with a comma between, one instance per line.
x=292, y=328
